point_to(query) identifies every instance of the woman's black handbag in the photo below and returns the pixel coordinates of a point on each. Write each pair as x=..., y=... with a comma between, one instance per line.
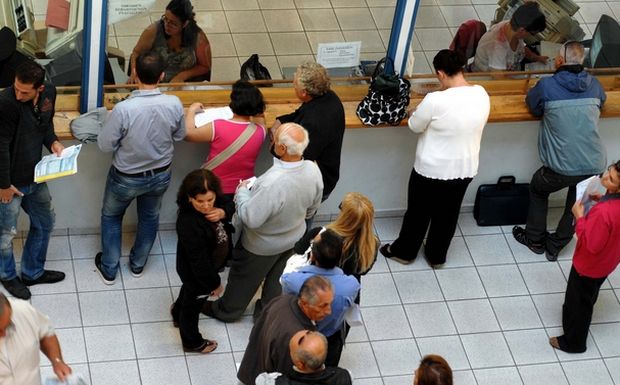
x=387, y=99
x=504, y=203
x=252, y=69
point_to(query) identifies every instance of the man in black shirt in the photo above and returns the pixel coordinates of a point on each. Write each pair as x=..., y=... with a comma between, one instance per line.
x=26, y=124
x=322, y=114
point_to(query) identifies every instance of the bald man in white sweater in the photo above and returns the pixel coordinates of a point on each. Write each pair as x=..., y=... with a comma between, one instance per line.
x=273, y=214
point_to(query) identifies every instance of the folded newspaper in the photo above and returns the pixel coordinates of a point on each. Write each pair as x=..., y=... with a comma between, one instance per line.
x=73, y=379
x=52, y=166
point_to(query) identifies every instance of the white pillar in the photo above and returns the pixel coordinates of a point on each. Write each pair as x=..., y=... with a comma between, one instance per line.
x=402, y=32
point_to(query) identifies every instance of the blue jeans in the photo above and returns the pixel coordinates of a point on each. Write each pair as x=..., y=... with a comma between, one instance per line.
x=120, y=191
x=37, y=203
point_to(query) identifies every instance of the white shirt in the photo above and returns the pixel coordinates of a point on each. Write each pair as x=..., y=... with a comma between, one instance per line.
x=494, y=52
x=19, y=349
x=450, y=124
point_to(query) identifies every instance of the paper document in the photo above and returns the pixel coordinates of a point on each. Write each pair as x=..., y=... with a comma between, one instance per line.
x=210, y=114
x=588, y=188
x=72, y=379
x=52, y=166
x=58, y=13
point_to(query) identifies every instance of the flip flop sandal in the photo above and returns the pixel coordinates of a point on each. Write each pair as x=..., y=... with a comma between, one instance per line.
x=207, y=347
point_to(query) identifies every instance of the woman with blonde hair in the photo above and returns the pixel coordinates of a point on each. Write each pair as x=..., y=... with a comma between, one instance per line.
x=354, y=225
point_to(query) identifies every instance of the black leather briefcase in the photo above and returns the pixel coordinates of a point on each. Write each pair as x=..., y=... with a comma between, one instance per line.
x=504, y=203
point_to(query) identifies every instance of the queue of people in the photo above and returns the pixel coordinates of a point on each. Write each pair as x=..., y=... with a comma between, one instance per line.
x=310, y=277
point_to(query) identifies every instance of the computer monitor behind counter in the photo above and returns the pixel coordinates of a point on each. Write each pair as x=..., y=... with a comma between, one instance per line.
x=605, y=44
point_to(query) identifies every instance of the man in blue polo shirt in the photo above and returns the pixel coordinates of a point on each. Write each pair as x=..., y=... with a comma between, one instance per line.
x=324, y=256
x=140, y=131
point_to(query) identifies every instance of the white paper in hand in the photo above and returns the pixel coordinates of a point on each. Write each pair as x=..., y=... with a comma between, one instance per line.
x=210, y=114
x=72, y=379
x=588, y=188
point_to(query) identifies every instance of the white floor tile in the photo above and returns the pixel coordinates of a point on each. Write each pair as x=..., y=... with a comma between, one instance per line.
x=85, y=246
x=378, y=289
x=613, y=365
x=154, y=274
x=417, y=286
x=501, y=281
x=449, y=347
x=591, y=352
x=390, y=356
x=546, y=374
x=62, y=309
x=458, y=254
x=109, y=343
x=473, y=316
x=103, y=308
x=239, y=332
x=166, y=344
x=468, y=225
x=388, y=228
x=460, y=283
x=359, y=359
x=543, y=278
x=606, y=337
x=219, y=368
x=386, y=323
x=530, y=346
x=113, y=373
x=58, y=248
x=87, y=278
x=498, y=376
x=607, y=308
x=430, y=319
x=164, y=371
x=516, y=313
x=549, y=308
x=72, y=345
x=157, y=308
x=487, y=350
x=489, y=249
x=587, y=373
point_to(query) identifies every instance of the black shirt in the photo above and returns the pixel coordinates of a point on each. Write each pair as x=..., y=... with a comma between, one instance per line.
x=24, y=129
x=323, y=117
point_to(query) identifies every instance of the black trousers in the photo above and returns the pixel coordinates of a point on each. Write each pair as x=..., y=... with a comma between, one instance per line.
x=335, y=344
x=185, y=311
x=544, y=182
x=581, y=295
x=430, y=201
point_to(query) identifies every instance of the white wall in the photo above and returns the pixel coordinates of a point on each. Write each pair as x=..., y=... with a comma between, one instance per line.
x=376, y=162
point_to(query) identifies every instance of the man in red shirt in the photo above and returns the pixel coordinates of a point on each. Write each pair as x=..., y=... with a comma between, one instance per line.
x=596, y=256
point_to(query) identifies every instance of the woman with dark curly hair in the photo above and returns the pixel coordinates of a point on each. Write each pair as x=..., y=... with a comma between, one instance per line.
x=202, y=248
x=180, y=42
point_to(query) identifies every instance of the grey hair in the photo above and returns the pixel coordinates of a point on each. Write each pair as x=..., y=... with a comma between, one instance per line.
x=309, y=290
x=313, y=78
x=293, y=147
x=308, y=358
x=3, y=301
x=574, y=53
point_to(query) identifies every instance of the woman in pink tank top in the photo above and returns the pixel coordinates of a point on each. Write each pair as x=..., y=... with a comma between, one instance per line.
x=247, y=105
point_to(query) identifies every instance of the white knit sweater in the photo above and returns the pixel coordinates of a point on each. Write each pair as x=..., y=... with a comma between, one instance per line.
x=450, y=124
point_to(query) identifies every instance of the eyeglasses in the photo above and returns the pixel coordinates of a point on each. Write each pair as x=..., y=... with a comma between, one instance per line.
x=169, y=22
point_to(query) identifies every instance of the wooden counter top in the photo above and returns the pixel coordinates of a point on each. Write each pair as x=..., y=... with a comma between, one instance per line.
x=507, y=101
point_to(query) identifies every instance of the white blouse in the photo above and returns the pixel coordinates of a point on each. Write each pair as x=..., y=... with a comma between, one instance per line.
x=450, y=124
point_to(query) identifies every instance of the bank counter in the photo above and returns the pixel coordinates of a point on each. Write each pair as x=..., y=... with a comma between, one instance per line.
x=376, y=161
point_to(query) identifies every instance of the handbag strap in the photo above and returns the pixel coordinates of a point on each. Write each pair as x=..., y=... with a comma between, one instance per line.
x=379, y=66
x=232, y=148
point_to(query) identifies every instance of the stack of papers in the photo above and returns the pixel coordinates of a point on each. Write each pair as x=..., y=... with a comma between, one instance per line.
x=52, y=166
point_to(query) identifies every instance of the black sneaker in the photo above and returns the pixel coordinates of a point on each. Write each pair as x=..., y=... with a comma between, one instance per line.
x=104, y=277
x=48, y=276
x=17, y=288
x=518, y=233
x=136, y=272
x=551, y=256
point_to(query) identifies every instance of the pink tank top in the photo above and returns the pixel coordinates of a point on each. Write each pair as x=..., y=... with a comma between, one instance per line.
x=241, y=164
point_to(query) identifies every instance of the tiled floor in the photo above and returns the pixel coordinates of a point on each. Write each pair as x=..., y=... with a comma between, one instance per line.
x=286, y=32
x=489, y=311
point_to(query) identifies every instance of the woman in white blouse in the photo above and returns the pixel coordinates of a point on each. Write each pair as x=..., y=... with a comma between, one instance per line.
x=450, y=124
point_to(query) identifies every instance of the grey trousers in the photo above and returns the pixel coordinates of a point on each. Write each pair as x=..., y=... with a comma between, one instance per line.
x=247, y=271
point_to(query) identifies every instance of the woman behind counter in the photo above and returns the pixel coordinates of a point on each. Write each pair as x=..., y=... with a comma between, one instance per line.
x=181, y=43
x=450, y=124
x=202, y=248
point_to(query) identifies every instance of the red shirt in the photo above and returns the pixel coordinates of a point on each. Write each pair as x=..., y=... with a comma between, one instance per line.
x=598, y=239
